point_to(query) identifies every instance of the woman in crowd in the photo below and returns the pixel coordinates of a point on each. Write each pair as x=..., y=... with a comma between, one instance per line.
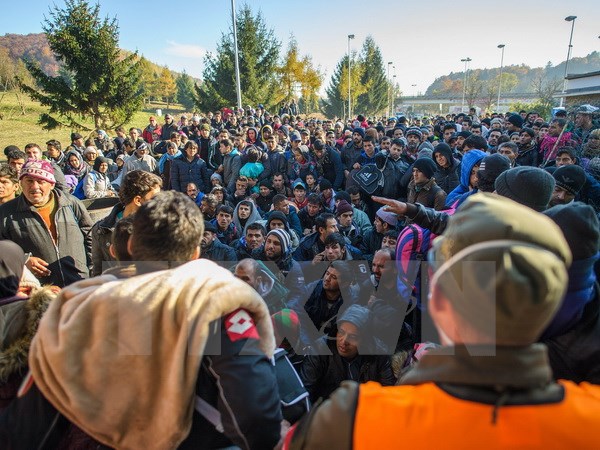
x=96, y=183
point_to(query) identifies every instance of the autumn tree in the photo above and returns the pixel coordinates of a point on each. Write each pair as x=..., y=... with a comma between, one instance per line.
x=258, y=59
x=102, y=85
x=147, y=79
x=299, y=76
x=166, y=87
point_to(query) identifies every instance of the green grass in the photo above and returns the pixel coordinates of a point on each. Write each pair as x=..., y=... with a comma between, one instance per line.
x=18, y=129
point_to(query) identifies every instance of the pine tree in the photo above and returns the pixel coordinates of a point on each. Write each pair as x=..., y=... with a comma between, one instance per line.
x=334, y=105
x=337, y=91
x=185, y=91
x=102, y=85
x=258, y=57
x=374, y=80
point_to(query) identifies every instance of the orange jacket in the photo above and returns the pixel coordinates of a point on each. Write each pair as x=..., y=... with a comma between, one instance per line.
x=424, y=416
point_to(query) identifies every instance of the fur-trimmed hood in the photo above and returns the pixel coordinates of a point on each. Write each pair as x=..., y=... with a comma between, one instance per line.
x=19, y=320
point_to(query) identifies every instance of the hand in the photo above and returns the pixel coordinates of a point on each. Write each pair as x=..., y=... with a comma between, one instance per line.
x=393, y=206
x=356, y=166
x=38, y=267
x=346, y=172
x=319, y=257
x=285, y=428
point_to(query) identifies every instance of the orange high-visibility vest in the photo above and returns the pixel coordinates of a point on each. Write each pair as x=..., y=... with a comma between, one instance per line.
x=424, y=416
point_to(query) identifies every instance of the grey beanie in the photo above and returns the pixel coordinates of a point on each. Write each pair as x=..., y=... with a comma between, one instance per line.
x=529, y=186
x=357, y=315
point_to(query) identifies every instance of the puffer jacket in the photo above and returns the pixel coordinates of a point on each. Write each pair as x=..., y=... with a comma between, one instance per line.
x=183, y=172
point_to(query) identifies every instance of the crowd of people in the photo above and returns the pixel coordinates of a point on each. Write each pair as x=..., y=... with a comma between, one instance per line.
x=255, y=264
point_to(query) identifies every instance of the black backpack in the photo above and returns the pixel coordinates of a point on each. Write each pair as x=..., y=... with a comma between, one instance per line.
x=369, y=178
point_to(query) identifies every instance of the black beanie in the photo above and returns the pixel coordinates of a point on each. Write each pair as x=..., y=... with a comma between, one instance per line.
x=324, y=184
x=209, y=226
x=516, y=120
x=359, y=130
x=425, y=165
x=489, y=169
x=529, y=186
x=571, y=178
x=579, y=224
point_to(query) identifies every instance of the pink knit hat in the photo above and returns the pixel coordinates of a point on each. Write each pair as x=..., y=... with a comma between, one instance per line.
x=39, y=169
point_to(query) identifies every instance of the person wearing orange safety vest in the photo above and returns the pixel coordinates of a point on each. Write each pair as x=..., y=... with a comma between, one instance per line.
x=499, y=273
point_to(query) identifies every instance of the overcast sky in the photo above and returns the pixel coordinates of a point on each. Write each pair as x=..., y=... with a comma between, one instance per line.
x=423, y=39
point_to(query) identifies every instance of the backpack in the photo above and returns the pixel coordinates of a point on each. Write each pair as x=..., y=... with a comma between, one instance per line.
x=411, y=250
x=78, y=191
x=370, y=178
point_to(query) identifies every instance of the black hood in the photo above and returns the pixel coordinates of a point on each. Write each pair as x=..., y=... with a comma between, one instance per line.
x=446, y=151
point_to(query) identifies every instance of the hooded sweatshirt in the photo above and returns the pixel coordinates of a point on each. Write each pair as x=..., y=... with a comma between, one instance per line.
x=469, y=160
x=254, y=216
x=446, y=178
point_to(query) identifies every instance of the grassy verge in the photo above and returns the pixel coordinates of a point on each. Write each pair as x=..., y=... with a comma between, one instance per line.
x=20, y=129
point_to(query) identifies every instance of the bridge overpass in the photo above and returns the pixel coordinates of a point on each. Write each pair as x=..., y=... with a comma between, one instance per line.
x=444, y=102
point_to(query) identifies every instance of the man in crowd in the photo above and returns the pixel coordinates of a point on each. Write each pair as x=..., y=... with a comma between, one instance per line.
x=140, y=160
x=253, y=238
x=186, y=370
x=227, y=232
x=330, y=163
x=9, y=183
x=137, y=188
x=53, y=226
x=33, y=151
x=212, y=247
x=352, y=151
x=500, y=334
x=314, y=243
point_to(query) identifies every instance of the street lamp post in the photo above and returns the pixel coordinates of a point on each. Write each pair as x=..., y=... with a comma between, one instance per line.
x=572, y=20
x=466, y=61
x=237, y=62
x=389, y=88
x=350, y=36
x=392, y=95
x=500, y=79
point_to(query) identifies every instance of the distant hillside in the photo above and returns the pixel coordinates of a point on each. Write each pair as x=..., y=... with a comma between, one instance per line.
x=35, y=47
x=32, y=47
x=524, y=73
